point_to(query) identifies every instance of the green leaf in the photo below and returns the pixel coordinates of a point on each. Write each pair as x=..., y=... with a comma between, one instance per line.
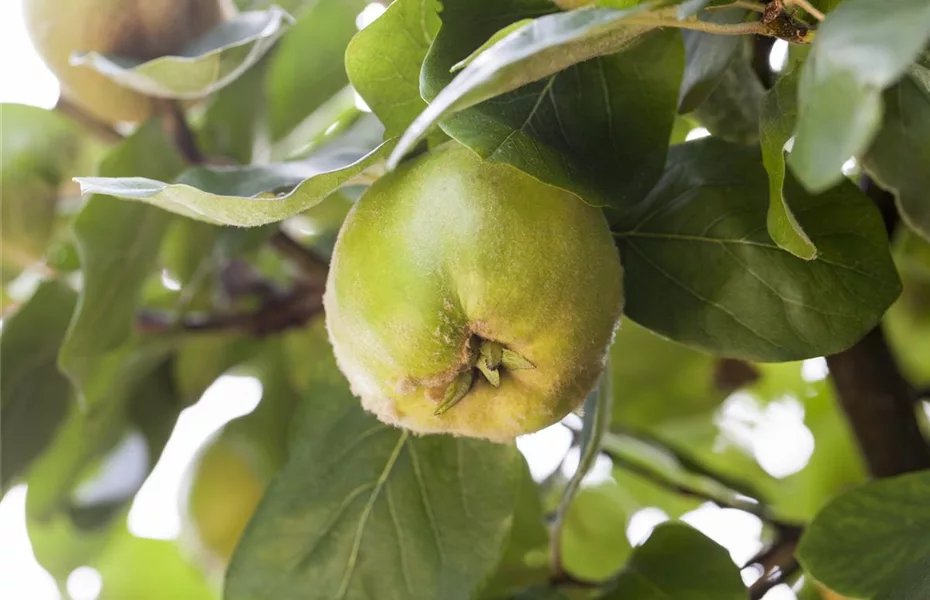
x=860, y=49
x=539, y=49
x=33, y=392
x=912, y=584
x=525, y=560
x=593, y=544
x=145, y=569
x=37, y=148
x=600, y=128
x=307, y=68
x=679, y=562
x=731, y=110
x=206, y=356
x=644, y=395
x=234, y=122
x=88, y=433
x=707, y=59
x=779, y=114
x=363, y=510
x=245, y=196
x=206, y=65
x=899, y=156
x=757, y=302
x=383, y=61
x=865, y=539
x=118, y=243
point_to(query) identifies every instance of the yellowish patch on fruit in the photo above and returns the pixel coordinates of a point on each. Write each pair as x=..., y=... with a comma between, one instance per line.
x=226, y=489
x=466, y=297
x=131, y=28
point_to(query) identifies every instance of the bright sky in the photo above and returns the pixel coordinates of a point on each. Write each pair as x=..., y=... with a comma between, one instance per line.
x=766, y=432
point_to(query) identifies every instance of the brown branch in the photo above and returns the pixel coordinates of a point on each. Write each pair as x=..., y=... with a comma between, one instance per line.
x=880, y=406
x=95, y=127
x=290, y=310
x=761, y=53
x=878, y=401
x=777, y=561
x=313, y=269
x=176, y=125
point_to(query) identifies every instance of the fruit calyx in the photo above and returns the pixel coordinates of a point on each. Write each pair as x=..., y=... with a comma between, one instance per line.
x=487, y=359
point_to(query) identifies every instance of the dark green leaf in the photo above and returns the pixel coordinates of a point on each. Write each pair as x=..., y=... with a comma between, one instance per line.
x=758, y=302
x=707, y=59
x=776, y=125
x=540, y=49
x=37, y=148
x=900, y=154
x=600, y=128
x=525, y=560
x=33, y=392
x=206, y=65
x=731, y=110
x=363, y=510
x=383, y=61
x=245, y=196
x=860, y=49
x=912, y=584
x=681, y=563
x=118, y=243
x=307, y=68
x=863, y=541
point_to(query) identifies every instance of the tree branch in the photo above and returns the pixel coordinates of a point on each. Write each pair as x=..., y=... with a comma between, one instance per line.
x=176, y=125
x=880, y=406
x=777, y=561
x=312, y=267
x=95, y=127
x=293, y=309
x=879, y=403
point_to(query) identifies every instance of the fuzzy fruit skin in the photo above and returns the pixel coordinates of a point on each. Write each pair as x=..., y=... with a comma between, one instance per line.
x=449, y=246
x=142, y=29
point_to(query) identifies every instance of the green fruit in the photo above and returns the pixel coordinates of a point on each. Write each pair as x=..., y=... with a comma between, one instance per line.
x=130, y=28
x=229, y=479
x=466, y=297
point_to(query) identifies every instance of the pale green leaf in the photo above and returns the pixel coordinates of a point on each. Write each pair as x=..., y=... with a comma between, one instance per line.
x=204, y=66
x=246, y=196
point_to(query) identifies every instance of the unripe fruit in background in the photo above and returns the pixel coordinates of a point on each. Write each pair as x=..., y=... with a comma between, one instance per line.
x=226, y=483
x=130, y=28
x=466, y=297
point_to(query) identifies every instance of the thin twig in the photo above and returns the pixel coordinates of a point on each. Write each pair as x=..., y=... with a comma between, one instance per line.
x=312, y=268
x=806, y=7
x=95, y=127
x=777, y=561
x=176, y=125
x=291, y=310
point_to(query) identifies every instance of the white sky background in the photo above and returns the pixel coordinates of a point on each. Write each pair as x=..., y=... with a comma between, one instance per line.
x=766, y=431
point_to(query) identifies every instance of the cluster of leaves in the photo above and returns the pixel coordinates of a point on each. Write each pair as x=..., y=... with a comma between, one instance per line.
x=735, y=253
